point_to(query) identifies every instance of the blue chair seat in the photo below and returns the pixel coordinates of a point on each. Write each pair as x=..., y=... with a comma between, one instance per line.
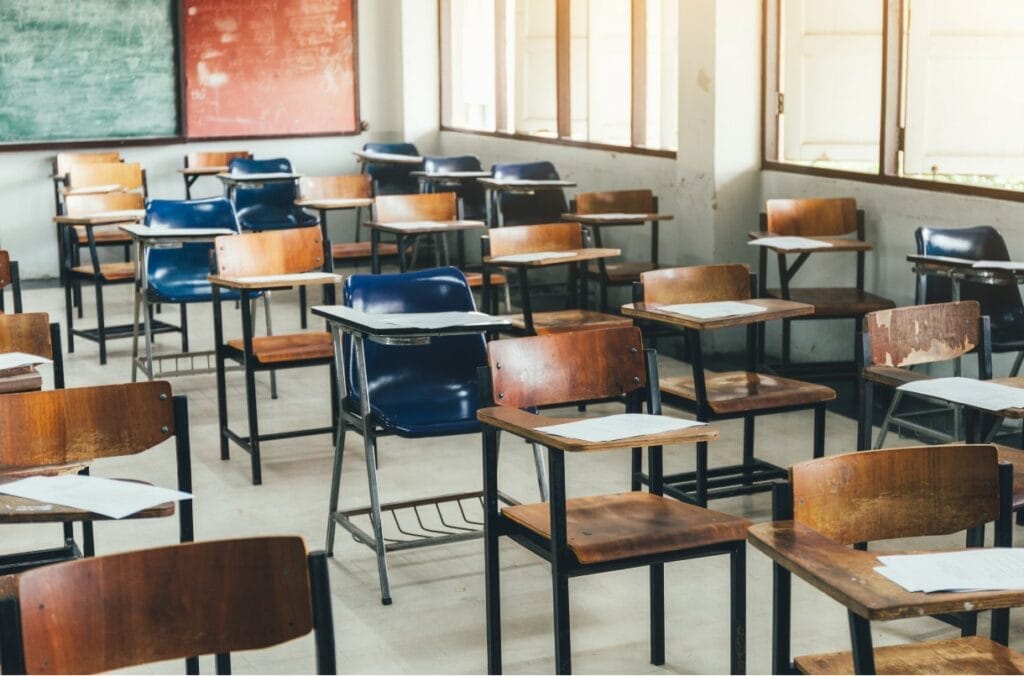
x=393, y=180
x=415, y=408
x=259, y=217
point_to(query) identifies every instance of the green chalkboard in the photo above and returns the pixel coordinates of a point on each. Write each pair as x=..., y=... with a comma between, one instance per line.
x=87, y=69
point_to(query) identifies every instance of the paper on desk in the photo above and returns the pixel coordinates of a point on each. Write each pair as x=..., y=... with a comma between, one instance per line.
x=127, y=214
x=180, y=232
x=116, y=499
x=725, y=308
x=94, y=189
x=972, y=569
x=618, y=216
x=615, y=427
x=13, y=360
x=284, y=279
x=787, y=243
x=999, y=265
x=434, y=320
x=531, y=257
x=977, y=393
x=416, y=225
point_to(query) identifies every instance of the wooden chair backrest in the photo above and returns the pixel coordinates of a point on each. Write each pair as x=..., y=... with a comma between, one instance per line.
x=83, y=205
x=922, y=334
x=897, y=492
x=125, y=174
x=567, y=367
x=437, y=206
x=616, y=201
x=519, y=239
x=273, y=252
x=58, y=427
x=351, y=186
x=6, y=276
x=215, y=159
x=62, y=163
x=697, y=284
x=109, y=612
x=812, y=217
x=27, y=332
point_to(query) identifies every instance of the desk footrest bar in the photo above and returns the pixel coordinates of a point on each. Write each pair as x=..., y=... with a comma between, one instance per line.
x=243, y=441
x=205, y=360
x=22, y=561
x=125, y=331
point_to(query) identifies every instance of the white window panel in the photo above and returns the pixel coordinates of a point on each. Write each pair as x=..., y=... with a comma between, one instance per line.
x=472, y=64
x=601, y=71
x=662, y=73
x=965, y=88
x=536, y=96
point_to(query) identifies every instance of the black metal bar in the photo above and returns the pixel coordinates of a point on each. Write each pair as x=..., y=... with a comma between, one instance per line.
x=222, y=663
x=524, y=300
x=58, y=356
x=860, y=638
x=222, y=397
x=738, y=608
x=323, y=621
x=12, y=648
x=183, y=451
x=250, y=387
x=782, y=581
x=819, y=431
x=492, y=568
x=375, y=250
x=559, y=560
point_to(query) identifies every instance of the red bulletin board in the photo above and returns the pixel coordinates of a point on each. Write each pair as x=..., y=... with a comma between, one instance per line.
x=269, y=68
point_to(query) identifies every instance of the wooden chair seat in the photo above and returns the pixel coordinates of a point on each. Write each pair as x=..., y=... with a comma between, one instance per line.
x=109, y=272
x=621, y=273
x=892, y=376
x=741, y=391
x=22, y=510
x=836, y=301
x=1015, y=457
x=970, y=655
x=561, y=321
x=476, y=279
x=613, y=527
x=360, y=250
x=289, y=347
x=102, y=236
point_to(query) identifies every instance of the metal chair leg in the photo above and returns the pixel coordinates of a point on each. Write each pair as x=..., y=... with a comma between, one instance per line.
x=887, y=420
x=101, y=327
x=657, y=576
x=542, y=479
x=738, y=609
x=270, y=332
x=332, y=505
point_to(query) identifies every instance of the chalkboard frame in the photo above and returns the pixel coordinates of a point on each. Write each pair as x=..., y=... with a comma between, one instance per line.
x=183, y=137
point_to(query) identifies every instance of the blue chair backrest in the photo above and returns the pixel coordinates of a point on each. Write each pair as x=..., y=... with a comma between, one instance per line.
x=471, y=192
x=390, y=179
x=1002, y=303
x=271, y=206
x=167, y=268
x=544, y=206
x=444, y=365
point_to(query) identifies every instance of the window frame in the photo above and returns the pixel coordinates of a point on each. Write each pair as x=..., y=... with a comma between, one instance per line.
x=638, y=91
x=891, y=134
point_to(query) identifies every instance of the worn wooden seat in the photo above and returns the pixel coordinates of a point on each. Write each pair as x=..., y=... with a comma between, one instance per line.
x=832, y=503
x=593, y=534
x=630, y=271
x=360, y=251
x=897, y=339
x=216, y=597
x=324, y=194
x=288, y=348
x=208, y=163
x=834, y=219
x=65, y=429
x=108, y=272
x=559, y=321
x=476, y=279
x=741, y=391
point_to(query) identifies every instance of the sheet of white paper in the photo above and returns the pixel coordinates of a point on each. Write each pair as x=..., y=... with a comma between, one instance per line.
x=999, y=265
x=416, y=225
x=725, y=308
x=95, y=189
x=284, y=279
x=618, y=216
x=615, y=427
x=435, y=320
x=116, y=499
x=977, y=393
x=146, y=231
x=971, y=569
x=531, y=257
x=13, y=360
x=337, y=201
x=264, y=177
x=787, y=243
x=127, y=214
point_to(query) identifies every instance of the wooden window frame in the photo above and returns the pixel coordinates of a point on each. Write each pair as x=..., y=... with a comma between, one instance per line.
x=638, y=85
x=890, y=113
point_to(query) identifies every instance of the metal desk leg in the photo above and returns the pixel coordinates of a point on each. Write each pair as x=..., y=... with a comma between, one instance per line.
x=339, y=445
x=135, y=318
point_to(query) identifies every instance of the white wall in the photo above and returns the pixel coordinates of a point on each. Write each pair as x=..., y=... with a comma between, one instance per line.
x=26, y=191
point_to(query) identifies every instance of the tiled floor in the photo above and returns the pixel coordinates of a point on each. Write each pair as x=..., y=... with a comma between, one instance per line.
x=436, y=621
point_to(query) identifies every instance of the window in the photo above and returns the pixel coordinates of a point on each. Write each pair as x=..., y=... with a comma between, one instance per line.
x=910, y=90
x=597, y=72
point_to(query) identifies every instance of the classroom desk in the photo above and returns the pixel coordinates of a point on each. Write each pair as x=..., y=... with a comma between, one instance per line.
x=145, y=238
x=193, y=174
x=848, y=576
x=233, y=181
x=323, y=206
x=521, y=186
x=553, y=321
x=786, y=271
x=959, y=270
x=365, y=157
x=361, y=327
x=734, y=394
x=412, y=229
x=432, y=179
x=275, y=352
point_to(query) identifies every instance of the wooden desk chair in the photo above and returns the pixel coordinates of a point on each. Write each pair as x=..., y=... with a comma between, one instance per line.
x=392, y=179
x=31, y=333
x=817, y=218
x=9, y=277
x=855, y=498
x=248, y=264
x=593, y=534
x=97, y=273
x=618, y=201
x=117, y=611
x=470, y=193
x=541, y=206
x=209, y=160
x=65, y=430
x=62, y=164
x=512, y=240
x=351, y=186
x=734, y=394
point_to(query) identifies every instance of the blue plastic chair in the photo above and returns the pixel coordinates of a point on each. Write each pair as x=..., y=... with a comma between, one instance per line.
x=390, y=179
x=269, y=207
x=417, y=390
x=471, y=193
x=544, y=206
